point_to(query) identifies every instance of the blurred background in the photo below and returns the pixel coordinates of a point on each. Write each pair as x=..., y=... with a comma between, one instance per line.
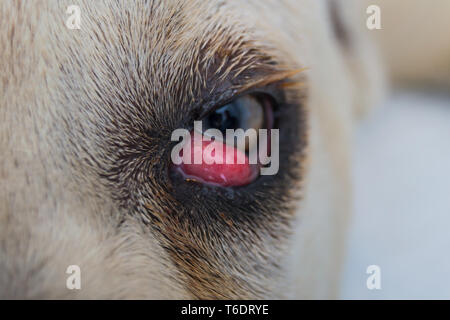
x=401, y=220
x=401, y=161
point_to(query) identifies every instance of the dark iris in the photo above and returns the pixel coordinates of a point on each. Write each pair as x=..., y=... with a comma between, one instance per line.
x=227, y=117
x=246, y=112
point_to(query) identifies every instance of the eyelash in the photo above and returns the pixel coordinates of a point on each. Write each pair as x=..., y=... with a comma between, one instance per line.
x=273, y=91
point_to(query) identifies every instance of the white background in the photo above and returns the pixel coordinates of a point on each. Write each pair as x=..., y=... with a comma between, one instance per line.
x=401, y=220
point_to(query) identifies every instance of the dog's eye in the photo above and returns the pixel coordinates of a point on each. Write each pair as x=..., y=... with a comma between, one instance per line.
x=247, y=112
x=230, y=160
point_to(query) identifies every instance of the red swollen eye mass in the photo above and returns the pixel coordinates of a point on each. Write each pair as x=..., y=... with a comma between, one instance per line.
x=223, y=174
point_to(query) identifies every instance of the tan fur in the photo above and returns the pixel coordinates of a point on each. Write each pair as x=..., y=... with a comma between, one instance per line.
x=415, y=42
x=80, y=174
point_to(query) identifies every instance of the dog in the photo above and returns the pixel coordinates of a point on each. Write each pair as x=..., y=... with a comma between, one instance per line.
x=86, y=119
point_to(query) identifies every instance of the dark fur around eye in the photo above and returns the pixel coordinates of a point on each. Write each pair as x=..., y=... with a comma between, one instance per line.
x=244, y=203
x=142, y=165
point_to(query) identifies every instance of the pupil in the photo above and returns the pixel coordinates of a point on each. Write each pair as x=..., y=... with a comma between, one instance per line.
x=225, y=118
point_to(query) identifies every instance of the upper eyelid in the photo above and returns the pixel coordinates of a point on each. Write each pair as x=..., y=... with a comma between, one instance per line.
x=259, y=83
x=278, y=76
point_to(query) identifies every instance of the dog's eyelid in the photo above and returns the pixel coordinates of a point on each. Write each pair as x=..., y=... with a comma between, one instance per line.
x=282, y=77
x=262, y=81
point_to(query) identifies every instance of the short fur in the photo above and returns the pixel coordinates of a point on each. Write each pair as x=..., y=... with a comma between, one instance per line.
x=86, y=117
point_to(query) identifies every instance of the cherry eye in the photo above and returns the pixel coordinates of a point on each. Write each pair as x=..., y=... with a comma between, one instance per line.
x=248, y=112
